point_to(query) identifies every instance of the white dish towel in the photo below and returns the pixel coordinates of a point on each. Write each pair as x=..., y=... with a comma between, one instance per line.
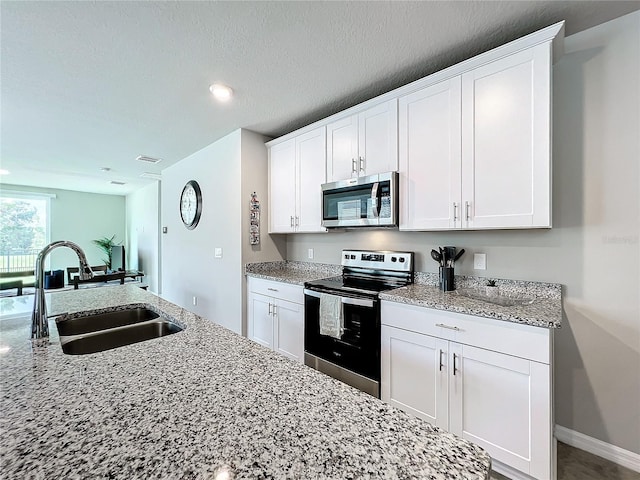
x=331, y=318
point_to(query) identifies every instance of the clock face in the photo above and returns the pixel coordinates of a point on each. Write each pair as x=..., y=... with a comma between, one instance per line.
x=191, y=204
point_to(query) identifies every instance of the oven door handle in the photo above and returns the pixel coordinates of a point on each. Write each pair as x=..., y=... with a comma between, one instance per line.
x=361, y=302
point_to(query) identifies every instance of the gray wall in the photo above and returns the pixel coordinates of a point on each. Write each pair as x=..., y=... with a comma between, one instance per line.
x=226, y=170
x=593, y=248
x=143, y=234
x=80, y=217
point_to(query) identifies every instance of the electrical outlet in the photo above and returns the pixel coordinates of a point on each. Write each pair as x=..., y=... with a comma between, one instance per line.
x=195, y=300
x=217, y=252
x=310, y=254
x=480, y=261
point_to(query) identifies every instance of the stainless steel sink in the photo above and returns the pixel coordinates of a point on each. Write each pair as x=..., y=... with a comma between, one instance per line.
x=104, y=331
x=102, y=321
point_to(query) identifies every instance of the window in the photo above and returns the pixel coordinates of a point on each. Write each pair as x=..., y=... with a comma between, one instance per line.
x=24, y=229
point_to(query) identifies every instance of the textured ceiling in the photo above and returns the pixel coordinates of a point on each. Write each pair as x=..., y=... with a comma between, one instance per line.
x=86, y=85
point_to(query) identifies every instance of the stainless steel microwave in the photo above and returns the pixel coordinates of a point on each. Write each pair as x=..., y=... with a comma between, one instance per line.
x=370, y=201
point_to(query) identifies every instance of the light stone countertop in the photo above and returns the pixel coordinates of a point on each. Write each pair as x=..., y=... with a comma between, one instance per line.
x=296, y=273
x=197, y=404
x=545, y=311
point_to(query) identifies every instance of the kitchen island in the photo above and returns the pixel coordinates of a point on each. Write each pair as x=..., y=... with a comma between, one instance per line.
x=201, y=403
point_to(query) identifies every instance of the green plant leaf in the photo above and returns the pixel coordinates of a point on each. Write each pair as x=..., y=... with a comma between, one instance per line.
x=105, y=244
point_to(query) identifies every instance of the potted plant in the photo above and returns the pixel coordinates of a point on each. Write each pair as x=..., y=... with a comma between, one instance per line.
x=492, y=290
x=105, y=245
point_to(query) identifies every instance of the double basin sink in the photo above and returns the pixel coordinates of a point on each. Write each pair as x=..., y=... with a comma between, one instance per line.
x=96, y=332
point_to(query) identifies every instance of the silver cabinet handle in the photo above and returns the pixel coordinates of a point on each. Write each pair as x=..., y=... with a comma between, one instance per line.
x=466, y=210
x=291, y=221
x=269, y=308
x=454, y=363
x=297, y=221
x=353, y=165
x=272, y=289
x=455, y=211
x=274, y=311
x=361, y=164
x=448, y=326
x=440, y=360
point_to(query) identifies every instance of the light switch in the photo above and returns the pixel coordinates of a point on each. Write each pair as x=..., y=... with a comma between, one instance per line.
x=480, y=261
x=217, y=252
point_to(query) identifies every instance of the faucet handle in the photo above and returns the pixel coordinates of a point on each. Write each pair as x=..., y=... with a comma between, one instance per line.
x=85, y=272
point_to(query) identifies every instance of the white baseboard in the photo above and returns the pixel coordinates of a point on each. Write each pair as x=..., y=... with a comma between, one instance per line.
x=602, y=449
x=508, y=471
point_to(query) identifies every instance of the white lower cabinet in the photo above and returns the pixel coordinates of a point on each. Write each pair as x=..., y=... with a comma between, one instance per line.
x=275, y=315
x=499, y=401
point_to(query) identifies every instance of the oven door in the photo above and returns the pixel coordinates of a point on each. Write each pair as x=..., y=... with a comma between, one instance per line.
x=358, y=348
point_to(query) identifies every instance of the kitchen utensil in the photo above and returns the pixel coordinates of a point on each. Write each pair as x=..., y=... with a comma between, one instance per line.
x=460, y=253
x=436, y=256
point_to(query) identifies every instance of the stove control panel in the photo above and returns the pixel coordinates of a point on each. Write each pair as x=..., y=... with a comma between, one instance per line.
x=383, y=260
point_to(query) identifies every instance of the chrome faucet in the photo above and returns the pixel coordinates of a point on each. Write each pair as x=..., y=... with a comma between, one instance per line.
x=39, y=323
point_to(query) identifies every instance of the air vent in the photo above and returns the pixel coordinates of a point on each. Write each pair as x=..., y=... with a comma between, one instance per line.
x=114, y=182
x=153, y=176
x=144, y=158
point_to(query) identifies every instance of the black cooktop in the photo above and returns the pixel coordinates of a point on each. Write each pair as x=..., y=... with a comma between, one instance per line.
x=361, y=286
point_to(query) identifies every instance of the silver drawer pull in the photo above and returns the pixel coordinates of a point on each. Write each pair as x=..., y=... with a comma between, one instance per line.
x=272, y=289
x=448, y=326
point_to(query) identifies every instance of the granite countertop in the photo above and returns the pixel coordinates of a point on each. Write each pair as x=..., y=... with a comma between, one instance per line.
x=545, y=311
x=296, y=273
x=201, y=403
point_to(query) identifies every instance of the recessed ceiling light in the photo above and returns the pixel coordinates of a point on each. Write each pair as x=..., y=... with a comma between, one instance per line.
x=144, y=158
x=4, y=172
x=154, y=176
x=115, y=182
x=221, y=92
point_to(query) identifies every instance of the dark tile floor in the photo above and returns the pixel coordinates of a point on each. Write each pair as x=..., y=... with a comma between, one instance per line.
x=575, y=464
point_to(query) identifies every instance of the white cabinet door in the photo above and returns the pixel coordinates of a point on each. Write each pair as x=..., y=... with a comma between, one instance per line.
x=311, y=165
x=506, y=150
x=502, y=403
x=260, y=328
x=430, y=157
x=342, y=149
x=289, y=330
x=282, y=187
x=378, y=139
x=363, y=144
x=414, y=374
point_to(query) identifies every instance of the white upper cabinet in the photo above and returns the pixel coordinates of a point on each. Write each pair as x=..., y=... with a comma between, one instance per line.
x=363, y=144
x=296, y=172
x=506, y=142
x=310, y=164
x=474, y=150
x=471, y=143
x=342, y=149
x=430, y=157
x=282, y=187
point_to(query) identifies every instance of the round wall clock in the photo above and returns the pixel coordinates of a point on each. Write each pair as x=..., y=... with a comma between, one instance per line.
x=191, y=204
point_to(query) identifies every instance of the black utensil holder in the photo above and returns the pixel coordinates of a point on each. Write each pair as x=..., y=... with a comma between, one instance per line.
x=446, y=279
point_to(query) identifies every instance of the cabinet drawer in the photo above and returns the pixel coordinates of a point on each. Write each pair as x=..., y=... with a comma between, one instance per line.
x=525, y=341
x=279, y=290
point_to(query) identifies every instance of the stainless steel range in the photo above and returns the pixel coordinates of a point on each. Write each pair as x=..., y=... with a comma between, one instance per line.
x=342, y=316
